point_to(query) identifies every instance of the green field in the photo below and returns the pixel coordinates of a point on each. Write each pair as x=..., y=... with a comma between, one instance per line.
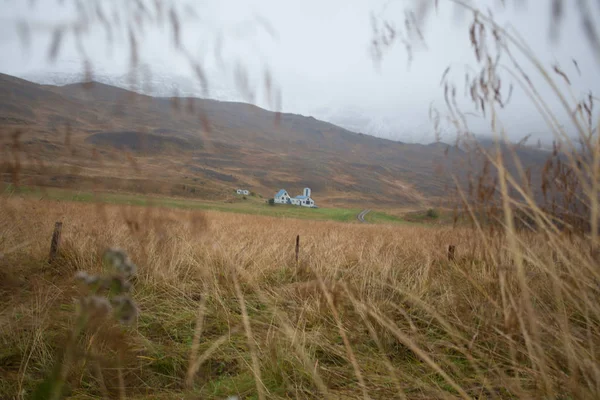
x=252, y=205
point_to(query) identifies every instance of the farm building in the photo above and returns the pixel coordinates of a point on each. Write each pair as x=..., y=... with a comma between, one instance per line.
x=304, y=200
x=282, y=197
x=242, y=191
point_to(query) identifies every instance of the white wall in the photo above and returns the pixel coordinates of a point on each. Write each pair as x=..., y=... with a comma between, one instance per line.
x=310, y=202
x=297, y=202
x=283, y=199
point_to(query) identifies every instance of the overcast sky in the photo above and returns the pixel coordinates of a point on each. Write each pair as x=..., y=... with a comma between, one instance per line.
x=318, y=55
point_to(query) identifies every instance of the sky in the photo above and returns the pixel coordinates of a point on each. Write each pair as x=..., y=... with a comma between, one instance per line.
x=316, y=54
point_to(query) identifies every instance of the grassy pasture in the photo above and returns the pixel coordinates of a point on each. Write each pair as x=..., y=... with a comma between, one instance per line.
x=370, y=311
x=252, y=205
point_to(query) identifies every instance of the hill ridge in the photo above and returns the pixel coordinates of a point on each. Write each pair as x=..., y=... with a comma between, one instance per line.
x=183, y=141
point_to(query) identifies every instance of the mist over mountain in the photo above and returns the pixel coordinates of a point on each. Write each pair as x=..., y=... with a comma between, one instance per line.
x=157, y=80
x=199, y=147
x=381, y=124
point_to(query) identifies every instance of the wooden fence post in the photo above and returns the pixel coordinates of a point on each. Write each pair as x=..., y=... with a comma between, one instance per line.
x=451, y=252
x=297, y=247
x=55, y=244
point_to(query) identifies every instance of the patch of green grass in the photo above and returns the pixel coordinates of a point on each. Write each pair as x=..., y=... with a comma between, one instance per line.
x=289, y=211
x=430, y=216
x=252, y=206
x=379, y=217
x=242, y=384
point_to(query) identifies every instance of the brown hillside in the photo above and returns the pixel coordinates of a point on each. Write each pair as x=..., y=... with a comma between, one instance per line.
x=109, y=138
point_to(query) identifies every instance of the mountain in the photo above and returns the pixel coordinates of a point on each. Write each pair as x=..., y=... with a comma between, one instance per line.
x=156, y=82
x=159, y=80
x=94, y=135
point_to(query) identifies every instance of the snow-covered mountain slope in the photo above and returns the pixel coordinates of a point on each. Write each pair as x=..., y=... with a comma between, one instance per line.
x=377, y=123
x=150, y=79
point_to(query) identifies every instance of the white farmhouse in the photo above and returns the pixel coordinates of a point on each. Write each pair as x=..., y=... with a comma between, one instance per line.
x=242, y=191
x=282, y=197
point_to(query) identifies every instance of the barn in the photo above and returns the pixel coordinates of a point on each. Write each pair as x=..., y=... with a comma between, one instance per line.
x=282, y=197
x=304, y=200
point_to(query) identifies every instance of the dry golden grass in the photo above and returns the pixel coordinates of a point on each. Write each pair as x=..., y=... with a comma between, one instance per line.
x=370, y=311
x=367, y=312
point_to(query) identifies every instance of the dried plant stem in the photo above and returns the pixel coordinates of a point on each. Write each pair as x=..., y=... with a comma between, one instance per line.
x=201, y=359
x=405, y=340
x=537, y=355
x=251, y=343
x=120, y=379
x=363, y=315
x=60, y=377
x=289, y=331
x=192, y=365
x=342, y=331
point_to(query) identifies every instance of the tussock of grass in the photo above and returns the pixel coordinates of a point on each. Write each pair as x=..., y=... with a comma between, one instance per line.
x=379, y=302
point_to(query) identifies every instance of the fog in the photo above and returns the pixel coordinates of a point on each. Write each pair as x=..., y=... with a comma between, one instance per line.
x=315, y=53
